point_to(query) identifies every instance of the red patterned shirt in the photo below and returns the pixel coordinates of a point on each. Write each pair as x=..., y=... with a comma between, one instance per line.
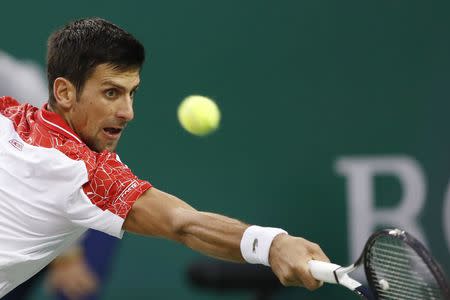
x=52, y=188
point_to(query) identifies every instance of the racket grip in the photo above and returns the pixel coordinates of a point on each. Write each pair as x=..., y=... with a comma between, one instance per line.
x=323, y=271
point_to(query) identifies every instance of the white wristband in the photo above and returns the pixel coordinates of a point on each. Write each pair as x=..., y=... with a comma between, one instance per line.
x=256, y=242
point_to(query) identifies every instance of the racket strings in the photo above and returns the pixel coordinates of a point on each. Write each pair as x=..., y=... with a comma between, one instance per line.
x=397, y=272
x=401, y=282
x=398, y=264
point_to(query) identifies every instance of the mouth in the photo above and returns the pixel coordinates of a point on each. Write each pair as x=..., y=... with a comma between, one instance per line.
x=112, y=133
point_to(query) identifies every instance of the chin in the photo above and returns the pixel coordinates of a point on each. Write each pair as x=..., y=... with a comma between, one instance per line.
x=101, y=148
x=103, y=145
x=100, y=145
x=110, y=148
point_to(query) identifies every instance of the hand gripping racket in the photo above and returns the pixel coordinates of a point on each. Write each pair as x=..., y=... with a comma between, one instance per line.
x=397, y=266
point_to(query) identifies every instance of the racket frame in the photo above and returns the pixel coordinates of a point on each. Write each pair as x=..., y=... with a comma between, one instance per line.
x=418, y=248
x=336, y=274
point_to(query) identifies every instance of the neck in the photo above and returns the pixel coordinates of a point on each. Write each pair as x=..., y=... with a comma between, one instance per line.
x=49, y=107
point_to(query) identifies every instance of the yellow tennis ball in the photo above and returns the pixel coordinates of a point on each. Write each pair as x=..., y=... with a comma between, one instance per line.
x=199, y=115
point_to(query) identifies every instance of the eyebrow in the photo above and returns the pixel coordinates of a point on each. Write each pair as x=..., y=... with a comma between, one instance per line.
x=116, y=85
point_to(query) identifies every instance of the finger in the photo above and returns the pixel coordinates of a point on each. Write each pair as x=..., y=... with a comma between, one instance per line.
x=70, y=293
x=295, y=283
x=286, y=277
x=71, y=290
x=88, y=284
x=317, y=253
x=75, y=287
x=305, y=277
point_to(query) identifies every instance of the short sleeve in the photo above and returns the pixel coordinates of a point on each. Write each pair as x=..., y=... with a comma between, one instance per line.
x=82, y=212
x=112, y=186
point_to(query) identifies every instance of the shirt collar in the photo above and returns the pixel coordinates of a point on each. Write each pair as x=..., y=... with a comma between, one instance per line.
x=56, y=123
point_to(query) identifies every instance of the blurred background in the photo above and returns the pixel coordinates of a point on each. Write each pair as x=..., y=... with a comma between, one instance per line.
x=334, y=122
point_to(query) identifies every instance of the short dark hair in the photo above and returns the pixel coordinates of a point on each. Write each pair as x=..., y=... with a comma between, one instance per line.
x=75, y=50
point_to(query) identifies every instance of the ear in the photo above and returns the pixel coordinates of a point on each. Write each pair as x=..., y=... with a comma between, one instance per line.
x=65, y=93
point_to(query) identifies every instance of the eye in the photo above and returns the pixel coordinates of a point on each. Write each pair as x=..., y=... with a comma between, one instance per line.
x=111, y=93
x=132, y=93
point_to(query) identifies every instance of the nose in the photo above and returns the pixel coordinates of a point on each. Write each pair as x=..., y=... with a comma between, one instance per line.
x=125, y=110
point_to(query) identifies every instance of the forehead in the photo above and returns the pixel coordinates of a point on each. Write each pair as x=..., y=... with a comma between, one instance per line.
x=107, y=73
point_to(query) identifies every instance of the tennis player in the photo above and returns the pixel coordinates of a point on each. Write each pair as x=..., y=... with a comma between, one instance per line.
x=83, y=269
x=60, y=175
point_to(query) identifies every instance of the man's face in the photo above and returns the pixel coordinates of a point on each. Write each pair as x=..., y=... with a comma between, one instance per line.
x=104, y=107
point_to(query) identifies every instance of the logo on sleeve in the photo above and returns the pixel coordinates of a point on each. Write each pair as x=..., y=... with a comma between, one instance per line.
x=134, y=184
x=16, y=144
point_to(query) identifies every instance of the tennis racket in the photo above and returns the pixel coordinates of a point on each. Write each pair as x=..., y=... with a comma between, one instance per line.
x=397, y=266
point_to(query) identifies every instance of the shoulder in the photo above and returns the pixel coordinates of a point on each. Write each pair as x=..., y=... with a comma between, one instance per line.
x=21, y=115
x=10, y=105
x=8, y=102
x=104, y=162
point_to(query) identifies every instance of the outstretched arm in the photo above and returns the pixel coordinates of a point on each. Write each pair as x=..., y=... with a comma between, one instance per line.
x=157, y=213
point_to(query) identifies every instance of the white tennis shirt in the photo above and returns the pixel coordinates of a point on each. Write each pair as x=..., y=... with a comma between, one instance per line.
x=52, y=189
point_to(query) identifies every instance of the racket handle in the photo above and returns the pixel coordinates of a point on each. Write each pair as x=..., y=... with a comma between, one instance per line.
x=323, y=271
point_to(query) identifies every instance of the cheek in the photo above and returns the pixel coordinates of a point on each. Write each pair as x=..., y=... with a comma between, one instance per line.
x=82, y=117
x=99, y=116
x=93, y=114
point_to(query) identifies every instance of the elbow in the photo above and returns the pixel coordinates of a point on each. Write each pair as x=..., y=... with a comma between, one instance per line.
x=161, y=215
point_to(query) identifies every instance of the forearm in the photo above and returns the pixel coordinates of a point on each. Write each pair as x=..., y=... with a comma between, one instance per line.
x=163, y=215
x=212, y=234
